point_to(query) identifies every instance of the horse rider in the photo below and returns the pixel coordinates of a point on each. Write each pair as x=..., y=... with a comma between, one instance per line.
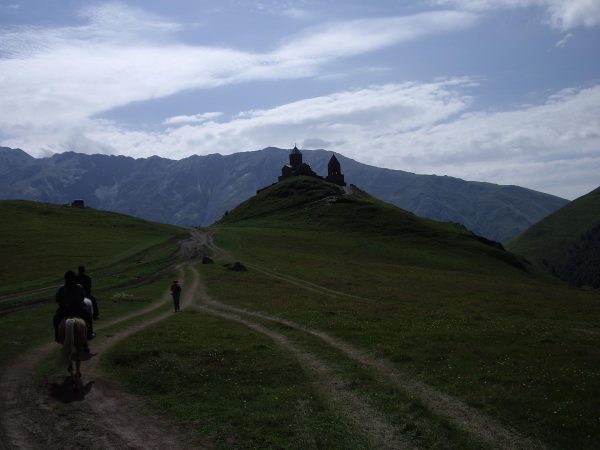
x=70, y=298
x=86, y=282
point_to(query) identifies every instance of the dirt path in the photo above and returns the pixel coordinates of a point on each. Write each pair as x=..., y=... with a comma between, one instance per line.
x=325, y=378
x=483, y=427
x=36, y=416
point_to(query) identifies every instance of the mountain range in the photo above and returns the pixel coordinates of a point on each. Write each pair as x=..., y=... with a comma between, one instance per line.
x=198, y=190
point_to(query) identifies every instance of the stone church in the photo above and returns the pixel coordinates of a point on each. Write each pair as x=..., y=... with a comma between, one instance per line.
x=297, y=167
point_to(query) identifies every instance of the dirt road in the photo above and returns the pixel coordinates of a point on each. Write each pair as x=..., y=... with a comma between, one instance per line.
x=38, y=415
x=35, y=415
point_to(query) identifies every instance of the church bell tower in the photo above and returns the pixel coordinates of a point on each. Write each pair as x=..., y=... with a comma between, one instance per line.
x=295, y=158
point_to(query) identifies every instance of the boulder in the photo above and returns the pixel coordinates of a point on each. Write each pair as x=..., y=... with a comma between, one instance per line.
x=236, y=266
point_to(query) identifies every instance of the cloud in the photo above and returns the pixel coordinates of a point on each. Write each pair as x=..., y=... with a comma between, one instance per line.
x=425, y=128
x=563, y=41
x=119, y=55
x=352, y=37
x=54, y=83
x=336, y=118
x=196, y=118
x=560, y=14
x=553, y=147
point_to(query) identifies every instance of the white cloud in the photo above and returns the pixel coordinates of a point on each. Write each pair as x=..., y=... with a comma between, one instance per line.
x=61, y=77
x=54, y=83
x=350, y=116
x=353, y=37
x=560, y=14
x=563, y=41
x=196, y=118
x=553, y=147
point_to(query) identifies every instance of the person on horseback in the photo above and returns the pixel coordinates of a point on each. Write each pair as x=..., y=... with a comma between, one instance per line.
x=70, y=298
x=86, y=282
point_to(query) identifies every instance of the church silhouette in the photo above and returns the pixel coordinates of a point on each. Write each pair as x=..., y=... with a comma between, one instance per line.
x=297, y=168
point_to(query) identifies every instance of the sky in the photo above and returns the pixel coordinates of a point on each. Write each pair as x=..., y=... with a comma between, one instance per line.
x=504, y=91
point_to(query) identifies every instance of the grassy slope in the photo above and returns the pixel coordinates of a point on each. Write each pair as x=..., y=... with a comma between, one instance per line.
x=232, y=387
x=40, y=241
x=237, y=401
x=555, y=241
x=309, y=204
x=551, y=237
x=45, y=240
x=453, y=311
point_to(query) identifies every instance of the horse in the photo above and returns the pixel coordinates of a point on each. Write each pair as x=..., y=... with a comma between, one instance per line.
x=72, y=332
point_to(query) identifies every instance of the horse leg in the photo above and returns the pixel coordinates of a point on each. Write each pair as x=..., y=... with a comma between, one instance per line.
x=78, y=360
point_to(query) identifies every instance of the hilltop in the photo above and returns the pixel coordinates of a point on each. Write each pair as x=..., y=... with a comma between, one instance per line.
x=567, y=243
x=309, y=204
x=199, y=189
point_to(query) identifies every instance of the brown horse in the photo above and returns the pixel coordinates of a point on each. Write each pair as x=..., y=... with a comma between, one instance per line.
x=72, y=332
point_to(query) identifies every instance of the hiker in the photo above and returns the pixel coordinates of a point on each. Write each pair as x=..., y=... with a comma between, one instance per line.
x=86, y=282
x=176, y=293
x=70, y=298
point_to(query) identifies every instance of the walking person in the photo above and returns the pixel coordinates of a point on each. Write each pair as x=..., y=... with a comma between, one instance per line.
x=176, y=293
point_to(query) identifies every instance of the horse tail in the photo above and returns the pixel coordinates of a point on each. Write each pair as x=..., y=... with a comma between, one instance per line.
x=89, y=306
x=67, y=348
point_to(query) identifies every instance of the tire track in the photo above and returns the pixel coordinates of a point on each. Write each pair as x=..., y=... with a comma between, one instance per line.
x=476, y=423
x=326, y=379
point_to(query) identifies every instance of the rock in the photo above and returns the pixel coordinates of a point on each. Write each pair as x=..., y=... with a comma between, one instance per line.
x=236, y=266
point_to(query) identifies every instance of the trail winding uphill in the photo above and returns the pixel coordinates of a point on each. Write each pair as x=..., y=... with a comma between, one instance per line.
x=32, y=415
x=482, y=427
x=35, y=415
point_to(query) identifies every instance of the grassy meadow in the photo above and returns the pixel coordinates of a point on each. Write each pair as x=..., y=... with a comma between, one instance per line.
x=434, y=302
x=129, y=260
x=231, y=387
x=45, y=240
x=443, y=307
x=515, y=347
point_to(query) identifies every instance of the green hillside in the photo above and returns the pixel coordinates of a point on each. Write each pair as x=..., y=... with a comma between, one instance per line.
x=306, y=203
x=432, y=300
x=567, y=243
x=41, y=241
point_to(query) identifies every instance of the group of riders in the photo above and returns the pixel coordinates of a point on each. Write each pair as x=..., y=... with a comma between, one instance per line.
x=71, y=301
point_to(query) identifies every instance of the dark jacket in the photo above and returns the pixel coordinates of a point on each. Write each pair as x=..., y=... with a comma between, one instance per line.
x=85, y=281
x=70, y=300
